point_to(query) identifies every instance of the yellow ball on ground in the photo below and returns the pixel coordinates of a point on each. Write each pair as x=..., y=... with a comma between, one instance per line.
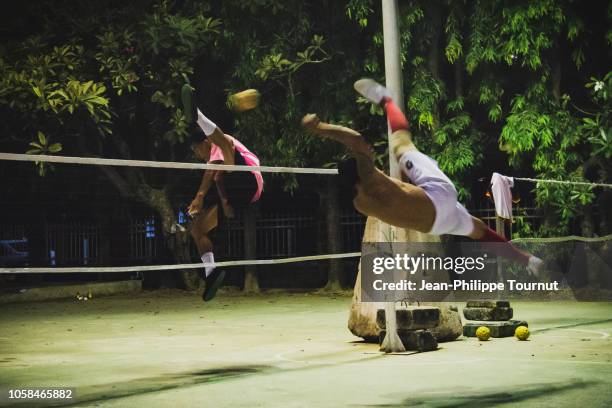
x=522, y=333
x=244, y=100
x=483, y=333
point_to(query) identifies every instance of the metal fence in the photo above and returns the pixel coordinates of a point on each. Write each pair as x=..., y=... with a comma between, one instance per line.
x=278, y=234
x=228, y=239
x=13, y=243
x=352, y=225
x=284, y=234
x=73, y=243
x=145, y=240
x=489, y=216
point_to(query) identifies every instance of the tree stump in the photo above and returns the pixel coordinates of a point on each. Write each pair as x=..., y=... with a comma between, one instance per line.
x=362, y=317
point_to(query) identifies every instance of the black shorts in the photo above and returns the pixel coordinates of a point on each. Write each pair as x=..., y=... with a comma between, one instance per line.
x=239, y=186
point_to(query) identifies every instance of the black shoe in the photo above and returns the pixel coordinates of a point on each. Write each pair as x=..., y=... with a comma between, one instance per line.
x=190, y=108
x=212, y=283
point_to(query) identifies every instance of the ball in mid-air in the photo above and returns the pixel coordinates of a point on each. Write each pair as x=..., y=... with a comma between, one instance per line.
x=483, y=333
x=244, y=100
x=521, y=333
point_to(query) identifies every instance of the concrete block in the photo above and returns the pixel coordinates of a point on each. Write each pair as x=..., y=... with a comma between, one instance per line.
x=450, y=327
x=412, y=317
x=498, y=329
x=488, y=314
x=415, y=340
x=488, y=303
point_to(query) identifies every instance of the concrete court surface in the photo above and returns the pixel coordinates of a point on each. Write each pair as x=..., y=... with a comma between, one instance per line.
x=169, y=349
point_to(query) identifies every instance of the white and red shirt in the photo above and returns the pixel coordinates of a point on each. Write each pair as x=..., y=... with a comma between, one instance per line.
x=250, y=159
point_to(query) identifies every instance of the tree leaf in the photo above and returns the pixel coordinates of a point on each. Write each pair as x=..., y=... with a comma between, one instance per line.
x=42, y=139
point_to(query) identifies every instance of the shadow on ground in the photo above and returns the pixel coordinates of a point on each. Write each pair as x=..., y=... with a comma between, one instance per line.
x=125, y=389
x=462, y=398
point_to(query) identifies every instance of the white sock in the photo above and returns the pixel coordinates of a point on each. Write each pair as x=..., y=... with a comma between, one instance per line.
x=208, y=258
x=207, y=125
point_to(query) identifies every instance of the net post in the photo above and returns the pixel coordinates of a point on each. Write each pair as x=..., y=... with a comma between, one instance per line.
x=393, y=76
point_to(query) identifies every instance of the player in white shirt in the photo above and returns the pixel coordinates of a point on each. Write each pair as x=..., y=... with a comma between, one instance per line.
x=425, y=199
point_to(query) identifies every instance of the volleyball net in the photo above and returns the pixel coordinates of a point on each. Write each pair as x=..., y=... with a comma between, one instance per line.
x=593, y=247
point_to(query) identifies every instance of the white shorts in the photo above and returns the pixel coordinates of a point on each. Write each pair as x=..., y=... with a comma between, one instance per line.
x=423, y=171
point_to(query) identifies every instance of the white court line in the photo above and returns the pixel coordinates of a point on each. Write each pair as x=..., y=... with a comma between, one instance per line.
x=212, y=326
x=572, y=360
x=281, y=357
x=604, y=335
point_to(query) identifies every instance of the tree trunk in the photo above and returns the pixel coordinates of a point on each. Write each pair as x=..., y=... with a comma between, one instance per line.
x=177, y=241
x=251, y=283
x=362, y=317
x=131, y=184
x=334, y=238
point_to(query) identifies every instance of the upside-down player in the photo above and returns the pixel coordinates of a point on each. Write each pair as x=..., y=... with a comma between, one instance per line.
x=234, y=189
x=427, y=202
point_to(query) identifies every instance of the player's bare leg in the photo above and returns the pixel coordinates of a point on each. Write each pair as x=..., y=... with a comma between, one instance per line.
x=194, y=116
x=392, y=201
x=341, y=134
x=202, y=224
x=453, y=218
x=216, y=136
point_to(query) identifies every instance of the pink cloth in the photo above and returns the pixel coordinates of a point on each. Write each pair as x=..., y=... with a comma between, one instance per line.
x=217, y=155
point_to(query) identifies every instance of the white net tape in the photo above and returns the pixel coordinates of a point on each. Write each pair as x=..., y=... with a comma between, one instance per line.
x=145, y=268
x=167, y=165
x=160, y=164
x=564, y=239
x=579, y=183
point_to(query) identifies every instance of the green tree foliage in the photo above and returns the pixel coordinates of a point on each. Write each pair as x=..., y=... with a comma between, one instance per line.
x=491, y=80
x=104, y=81
x=490, y=85
x=303, y=58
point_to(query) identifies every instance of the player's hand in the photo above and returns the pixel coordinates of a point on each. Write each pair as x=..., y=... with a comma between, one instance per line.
x=311, y=121
x=195, y=207
x=228, y=210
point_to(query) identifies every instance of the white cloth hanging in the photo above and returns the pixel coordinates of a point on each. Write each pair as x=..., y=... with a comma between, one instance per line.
x=500, y=187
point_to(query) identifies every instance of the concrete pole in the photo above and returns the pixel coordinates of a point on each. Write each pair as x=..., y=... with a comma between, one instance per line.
x=393, y=67
x=393, y=75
